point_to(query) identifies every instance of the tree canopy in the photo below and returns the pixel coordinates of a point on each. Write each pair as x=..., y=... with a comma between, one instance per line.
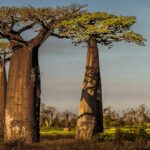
x=15, y=20
x=107, y=28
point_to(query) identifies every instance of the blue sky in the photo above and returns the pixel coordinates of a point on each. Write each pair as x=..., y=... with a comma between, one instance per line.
x=125, y=69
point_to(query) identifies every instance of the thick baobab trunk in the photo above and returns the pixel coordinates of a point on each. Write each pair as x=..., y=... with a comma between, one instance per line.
x=3, y=84
x=90, y=119
x=19, y=116
x=37, y=93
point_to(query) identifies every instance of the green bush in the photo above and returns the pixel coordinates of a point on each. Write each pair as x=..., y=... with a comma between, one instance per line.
x=104, y=137
x=124, y=134
x=141, y=133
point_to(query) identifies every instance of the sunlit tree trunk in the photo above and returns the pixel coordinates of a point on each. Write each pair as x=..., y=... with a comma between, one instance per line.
x=3, y=84
x=90, y=119
x=19, y=115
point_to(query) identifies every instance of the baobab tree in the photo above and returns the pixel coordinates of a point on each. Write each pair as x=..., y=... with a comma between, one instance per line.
x=4, y=52
x=23, y=91
x=95, y=28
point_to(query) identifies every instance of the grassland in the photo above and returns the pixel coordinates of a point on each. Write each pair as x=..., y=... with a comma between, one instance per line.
x=111, y=139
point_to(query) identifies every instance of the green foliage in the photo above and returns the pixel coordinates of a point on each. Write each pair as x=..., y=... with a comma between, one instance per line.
x=15, y=20
x=5, y=51
x=4, y=45
x=9, y=15
x=57, y=131
x=104, y=137
x=133, y=37
x=124, y=134
x=107, y=28
x=142, y=133
x=69, y=22
x=112, y=134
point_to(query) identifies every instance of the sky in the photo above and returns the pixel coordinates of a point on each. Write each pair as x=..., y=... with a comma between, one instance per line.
x=125, y=69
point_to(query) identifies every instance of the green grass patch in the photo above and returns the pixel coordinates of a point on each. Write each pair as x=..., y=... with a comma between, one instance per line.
x=57, y=131
x=124, y=133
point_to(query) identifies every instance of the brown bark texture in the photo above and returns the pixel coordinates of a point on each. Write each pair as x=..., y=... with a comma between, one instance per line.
x=19, y=115
x=3, y=84
x=90, y=119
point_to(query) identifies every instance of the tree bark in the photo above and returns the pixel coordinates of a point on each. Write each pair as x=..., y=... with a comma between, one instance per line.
x=37, y=93
x=3, y=84
x=23, y=97
x=19, y=115
x=90, y=119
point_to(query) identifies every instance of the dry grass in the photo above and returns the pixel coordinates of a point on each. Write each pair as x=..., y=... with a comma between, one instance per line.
x=49, y=143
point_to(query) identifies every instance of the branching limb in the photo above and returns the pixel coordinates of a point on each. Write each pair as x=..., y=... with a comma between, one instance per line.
x=26, y=28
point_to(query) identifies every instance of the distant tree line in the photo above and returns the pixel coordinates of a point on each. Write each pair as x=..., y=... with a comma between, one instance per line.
x=51, y=117
x=129, y=117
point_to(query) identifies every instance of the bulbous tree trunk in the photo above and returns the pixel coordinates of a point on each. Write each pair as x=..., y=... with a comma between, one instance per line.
x=19, y=115
x=90, y=119
x=3, y=84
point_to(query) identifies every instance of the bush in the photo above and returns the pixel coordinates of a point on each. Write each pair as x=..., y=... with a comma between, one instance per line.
x=124, y=134
x=141, y=133
x=104, y=137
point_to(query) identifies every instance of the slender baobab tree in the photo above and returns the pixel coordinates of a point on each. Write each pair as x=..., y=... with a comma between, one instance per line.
x=23, y=90
x=94, y=28
x=4, y=52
